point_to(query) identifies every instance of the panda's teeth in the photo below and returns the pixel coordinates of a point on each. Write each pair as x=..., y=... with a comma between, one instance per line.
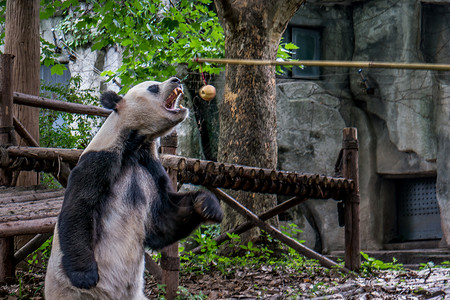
x=174, y=98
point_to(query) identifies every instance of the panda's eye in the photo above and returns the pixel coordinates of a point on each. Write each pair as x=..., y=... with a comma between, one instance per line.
x=153, y=89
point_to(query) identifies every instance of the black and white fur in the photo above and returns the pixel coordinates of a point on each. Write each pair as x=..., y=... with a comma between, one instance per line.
x=119, y=200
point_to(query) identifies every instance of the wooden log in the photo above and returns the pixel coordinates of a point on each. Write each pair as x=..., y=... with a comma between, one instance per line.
x=6, y=110
x=351, y=202
x=6, y=138
x=63, y=172
x=31, y=211
x=249, y=225
x=324, y=261
x=13, y=228
x=6, y=260
x=259, y=180
x=152, y=267
x=31, y=246
x=55, y=154
x=170, y=261
x=41, y=102
x=32, y=195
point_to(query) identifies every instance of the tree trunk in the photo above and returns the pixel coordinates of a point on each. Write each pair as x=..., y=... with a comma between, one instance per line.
x=22, y=40
x=248, y=125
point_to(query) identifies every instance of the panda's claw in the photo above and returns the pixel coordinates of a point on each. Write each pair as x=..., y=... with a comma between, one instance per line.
x=208, y=207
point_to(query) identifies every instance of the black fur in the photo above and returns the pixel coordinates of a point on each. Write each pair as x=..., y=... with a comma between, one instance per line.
x=110, y=99
x=84, y=201
x=174, y=215
x=153, y=89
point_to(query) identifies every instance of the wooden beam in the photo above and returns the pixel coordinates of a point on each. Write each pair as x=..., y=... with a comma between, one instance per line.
x=260, y=180
x=13, y=228
x=69, y=155
x=6, y=138
x=41, y=102
x=63, y=172
x=351, y=203
x=303, y=250
x=249, y=225
x=31, y=246
x=170, y=260
x=6, y=110
x=6, y=260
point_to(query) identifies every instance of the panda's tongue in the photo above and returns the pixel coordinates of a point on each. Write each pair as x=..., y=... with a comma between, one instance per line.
x=171, y=100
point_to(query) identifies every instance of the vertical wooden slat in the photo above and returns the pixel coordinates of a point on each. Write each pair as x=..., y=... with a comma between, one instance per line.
x=170, y=261
x=6, y=138
x=350, y=171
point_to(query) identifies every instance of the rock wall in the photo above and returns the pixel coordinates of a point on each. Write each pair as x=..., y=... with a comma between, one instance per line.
x=403, y=126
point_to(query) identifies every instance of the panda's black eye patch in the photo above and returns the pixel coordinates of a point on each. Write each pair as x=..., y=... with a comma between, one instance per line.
x=153, y=89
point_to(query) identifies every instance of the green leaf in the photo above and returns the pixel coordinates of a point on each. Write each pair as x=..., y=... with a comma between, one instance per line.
x=126, y=42
x=290, y=46
x=58, y=69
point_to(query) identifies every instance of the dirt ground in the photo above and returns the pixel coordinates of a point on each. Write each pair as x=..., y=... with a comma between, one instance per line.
x=272, y=282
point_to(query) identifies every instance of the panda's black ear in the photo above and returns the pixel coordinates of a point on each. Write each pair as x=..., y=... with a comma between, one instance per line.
x=110, y=99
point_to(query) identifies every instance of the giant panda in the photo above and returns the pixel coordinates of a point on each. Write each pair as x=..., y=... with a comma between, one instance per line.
x=119, y=200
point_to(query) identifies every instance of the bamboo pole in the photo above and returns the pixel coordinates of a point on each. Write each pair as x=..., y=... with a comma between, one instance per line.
x=328, y=63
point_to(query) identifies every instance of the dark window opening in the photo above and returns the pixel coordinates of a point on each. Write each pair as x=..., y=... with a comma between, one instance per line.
x=435, y=31
x=418, y=215
x=308, y=41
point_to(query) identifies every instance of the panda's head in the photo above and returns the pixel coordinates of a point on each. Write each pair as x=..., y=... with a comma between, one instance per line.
x=152, y=108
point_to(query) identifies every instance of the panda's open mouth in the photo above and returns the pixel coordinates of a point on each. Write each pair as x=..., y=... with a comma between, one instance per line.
x=174, y=99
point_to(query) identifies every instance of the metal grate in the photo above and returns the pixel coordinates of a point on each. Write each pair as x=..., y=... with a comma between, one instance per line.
x=417, y=209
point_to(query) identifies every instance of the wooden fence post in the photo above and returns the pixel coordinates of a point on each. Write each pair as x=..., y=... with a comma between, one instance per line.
x=350, y=171
x=6, y=138
x=170, y=260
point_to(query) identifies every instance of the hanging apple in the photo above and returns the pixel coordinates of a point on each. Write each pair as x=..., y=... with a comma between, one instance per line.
x=207, y=92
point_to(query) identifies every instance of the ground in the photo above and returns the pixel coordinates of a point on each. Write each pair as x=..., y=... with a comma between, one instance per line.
x=275, y=282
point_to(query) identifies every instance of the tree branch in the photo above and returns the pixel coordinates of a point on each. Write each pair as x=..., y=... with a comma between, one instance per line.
x=226, y=12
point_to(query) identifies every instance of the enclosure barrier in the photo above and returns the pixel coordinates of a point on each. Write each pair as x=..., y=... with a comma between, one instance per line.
x=37, y=210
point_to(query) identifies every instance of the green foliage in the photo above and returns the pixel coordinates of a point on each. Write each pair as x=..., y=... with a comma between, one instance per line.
x=154, y=38
x=284, y=53
x=66, y=130
x=48, y=55
x=292, y=231
x=371, y=266
x=41, y=255
x=245, y=255
x=184, y=293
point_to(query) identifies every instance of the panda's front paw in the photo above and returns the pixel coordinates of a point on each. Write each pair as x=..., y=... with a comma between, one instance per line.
x=85, y=279
x=208, y=207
